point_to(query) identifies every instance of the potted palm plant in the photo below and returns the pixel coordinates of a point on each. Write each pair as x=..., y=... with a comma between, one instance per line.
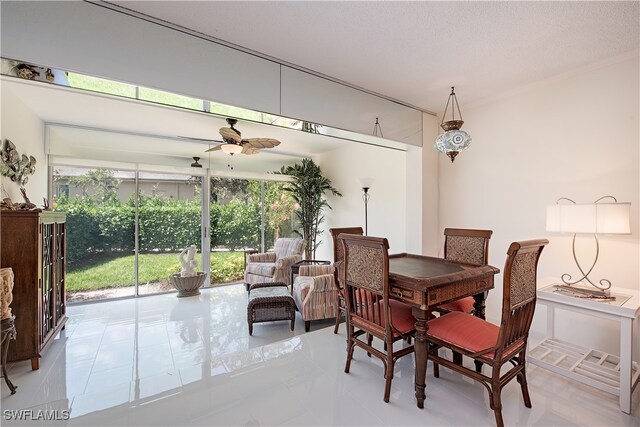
x=308, y=188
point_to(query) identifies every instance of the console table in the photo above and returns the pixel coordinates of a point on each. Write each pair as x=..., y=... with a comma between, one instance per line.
x=617, y=375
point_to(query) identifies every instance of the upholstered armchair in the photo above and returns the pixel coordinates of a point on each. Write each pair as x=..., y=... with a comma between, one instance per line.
x=274, y=266
x=315, y=293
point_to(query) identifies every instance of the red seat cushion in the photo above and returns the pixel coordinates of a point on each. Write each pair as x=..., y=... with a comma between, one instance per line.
x=401, y=317
x=469, y=332
x=465, y=331
x=464, y=305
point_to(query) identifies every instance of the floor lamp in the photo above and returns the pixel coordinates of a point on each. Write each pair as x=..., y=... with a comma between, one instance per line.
x=365, y=183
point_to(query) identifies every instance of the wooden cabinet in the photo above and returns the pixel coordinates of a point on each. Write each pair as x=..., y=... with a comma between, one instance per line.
x=33, y=244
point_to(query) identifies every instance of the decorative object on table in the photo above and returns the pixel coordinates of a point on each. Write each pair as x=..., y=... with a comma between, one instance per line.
x=589, y=218
x=365, y=183
x=25, y=71
x=6, y=292
x=453, y=140
x=49, y=75
x=189, y=265
x=17, y=168
x=188, y=286
x=308, y=188
x=377, y=129
x=7, y=333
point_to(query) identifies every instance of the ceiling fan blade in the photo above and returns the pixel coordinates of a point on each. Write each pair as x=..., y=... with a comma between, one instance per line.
x=193, y=138
x=230, y=134
x=216, y=148
x=248, y=149
x=261, y=142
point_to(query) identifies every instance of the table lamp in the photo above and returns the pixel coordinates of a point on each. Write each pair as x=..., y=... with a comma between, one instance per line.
x=589, y=218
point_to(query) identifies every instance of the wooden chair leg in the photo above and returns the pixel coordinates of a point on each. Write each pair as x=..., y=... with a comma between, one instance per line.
x=338, y=318
x=370, y=342
x=388, y=375
x=307, y=325
x=522, y=379
x=350, y=347
x=495, y=401
x=436, y=370
x=478, y=366
x=457, y=358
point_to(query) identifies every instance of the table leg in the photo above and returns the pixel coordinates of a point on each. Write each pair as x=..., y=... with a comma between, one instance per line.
x=421, y=354
x=626, y=351
x=479, y=305
x=478, y=311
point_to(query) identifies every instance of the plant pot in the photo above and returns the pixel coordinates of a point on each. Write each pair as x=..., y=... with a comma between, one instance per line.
x=188, y=286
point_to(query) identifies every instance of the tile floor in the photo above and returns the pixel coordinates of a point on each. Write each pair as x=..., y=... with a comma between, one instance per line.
x=167, y=361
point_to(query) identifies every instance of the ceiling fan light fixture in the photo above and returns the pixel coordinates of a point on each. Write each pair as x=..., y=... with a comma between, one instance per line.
x=231, y=148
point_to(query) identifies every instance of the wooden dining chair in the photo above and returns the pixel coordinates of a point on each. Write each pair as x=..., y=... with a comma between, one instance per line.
x=338, y=260
x=470, y=247
x=490, y=344
x=369, y=308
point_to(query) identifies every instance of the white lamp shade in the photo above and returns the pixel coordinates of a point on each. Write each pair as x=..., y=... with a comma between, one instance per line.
x=365, y=182
x=600, y=218
x=613, y=218
x=231, y=148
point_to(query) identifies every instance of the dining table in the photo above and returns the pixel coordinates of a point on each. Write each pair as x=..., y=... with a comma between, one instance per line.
x=425, y=282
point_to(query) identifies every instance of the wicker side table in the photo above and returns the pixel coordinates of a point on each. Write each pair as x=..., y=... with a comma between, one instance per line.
x=8, y=331
x=269, y=302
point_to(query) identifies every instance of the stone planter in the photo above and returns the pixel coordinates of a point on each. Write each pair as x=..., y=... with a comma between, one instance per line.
x=188, y=286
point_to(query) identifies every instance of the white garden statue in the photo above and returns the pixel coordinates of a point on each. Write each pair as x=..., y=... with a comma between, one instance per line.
x=190, y=265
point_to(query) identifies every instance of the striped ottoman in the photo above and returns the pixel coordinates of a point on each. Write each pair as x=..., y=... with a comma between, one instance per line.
x=269, y=302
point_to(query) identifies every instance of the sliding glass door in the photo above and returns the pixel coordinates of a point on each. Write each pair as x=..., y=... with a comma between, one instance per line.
x=100, y=208
x=169, y=220
x=126, y=229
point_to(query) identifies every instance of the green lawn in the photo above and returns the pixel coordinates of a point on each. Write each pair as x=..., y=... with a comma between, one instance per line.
x=113, y=271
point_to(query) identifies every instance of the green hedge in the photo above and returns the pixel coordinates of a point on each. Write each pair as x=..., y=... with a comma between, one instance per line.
x=166, y=225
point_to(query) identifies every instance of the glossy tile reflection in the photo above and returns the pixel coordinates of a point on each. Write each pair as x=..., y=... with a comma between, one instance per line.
x=166, y=361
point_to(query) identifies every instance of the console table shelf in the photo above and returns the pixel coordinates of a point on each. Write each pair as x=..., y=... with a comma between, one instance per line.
x=614, y=374
x=595, y=368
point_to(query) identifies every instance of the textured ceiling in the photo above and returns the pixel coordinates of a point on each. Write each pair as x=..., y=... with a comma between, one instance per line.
x=413, y=51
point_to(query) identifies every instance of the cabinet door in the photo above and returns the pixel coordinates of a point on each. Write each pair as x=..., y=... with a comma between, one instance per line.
x=60, y=272
x=48, y=255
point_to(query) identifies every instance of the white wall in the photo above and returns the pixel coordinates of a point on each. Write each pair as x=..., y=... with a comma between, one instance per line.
x=431, y=235
x=575, y=136
x=387, y=204
x=75, y=36
x=22, y=127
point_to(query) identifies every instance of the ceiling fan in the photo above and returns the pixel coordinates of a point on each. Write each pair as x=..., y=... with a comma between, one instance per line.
x=233, y=143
